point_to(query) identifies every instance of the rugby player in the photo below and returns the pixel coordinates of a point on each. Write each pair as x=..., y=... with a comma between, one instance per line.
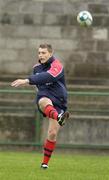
x=51, y=98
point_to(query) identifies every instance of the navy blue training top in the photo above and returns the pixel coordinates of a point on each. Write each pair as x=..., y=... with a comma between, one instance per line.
x=49, y=79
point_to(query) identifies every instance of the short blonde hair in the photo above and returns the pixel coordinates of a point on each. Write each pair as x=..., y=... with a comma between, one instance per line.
x=47, y=46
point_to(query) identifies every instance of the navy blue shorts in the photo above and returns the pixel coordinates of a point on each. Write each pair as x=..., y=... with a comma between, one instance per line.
x=59, y=104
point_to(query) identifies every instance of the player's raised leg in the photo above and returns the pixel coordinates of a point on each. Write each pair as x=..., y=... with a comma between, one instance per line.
x=49, y=110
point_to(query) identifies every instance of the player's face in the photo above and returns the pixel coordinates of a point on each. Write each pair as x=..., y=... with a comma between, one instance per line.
x=44, y=55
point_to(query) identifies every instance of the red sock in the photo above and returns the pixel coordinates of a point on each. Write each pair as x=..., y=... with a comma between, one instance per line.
x=48, y=149
x=51, y=112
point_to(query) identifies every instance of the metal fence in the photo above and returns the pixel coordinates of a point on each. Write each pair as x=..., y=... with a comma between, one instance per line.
x=37, y=141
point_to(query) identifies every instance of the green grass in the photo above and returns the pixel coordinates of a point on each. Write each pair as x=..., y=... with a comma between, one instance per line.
x=26, y=166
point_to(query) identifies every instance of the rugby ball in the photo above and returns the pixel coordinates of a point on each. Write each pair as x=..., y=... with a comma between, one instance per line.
x=84, y=18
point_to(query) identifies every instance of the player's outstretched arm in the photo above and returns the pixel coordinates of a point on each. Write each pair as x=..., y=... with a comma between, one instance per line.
x=20, y=82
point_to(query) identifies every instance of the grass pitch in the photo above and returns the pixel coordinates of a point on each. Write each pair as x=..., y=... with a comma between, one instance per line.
x=26, y=166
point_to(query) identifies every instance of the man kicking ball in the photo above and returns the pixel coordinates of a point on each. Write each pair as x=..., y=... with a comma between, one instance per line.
x=48, y=76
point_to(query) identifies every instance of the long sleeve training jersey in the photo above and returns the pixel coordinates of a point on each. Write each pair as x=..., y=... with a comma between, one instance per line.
x=49, y=79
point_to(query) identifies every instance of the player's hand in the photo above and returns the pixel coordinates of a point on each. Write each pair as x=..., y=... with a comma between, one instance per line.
x=19, y=82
